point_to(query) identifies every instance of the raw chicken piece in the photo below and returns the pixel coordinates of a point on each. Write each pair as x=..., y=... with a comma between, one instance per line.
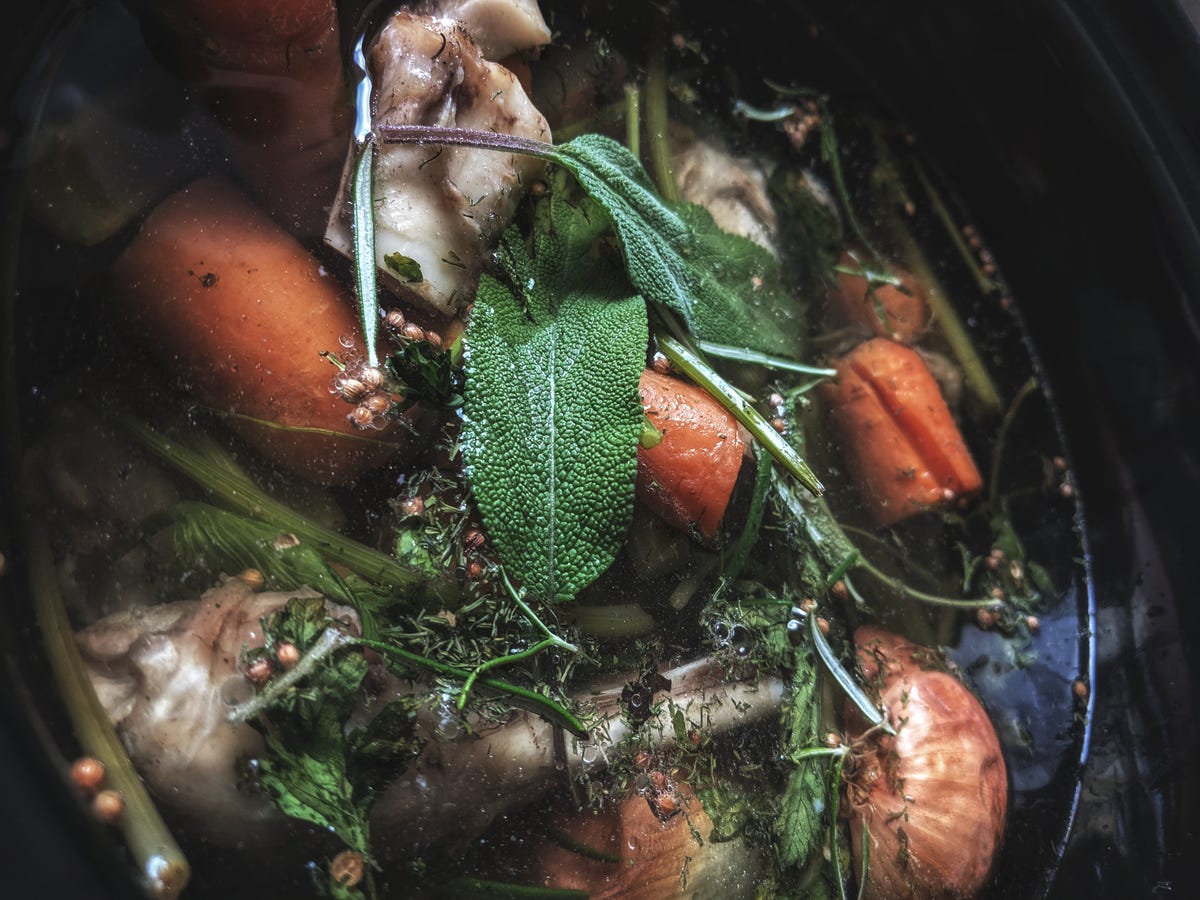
x=733, y=189
x=442, y=207
x=167, y=675
x=458, y=788
x=500, y=27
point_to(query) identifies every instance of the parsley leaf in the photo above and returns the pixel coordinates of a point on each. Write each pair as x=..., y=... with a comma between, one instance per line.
x=314, y=767
x=552, y=415
x=799, y=825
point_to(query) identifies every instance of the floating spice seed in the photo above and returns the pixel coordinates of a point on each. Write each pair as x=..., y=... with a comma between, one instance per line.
x=1033, y=623
x=378, y=403
x=839, y=590
x=260, y=671
x=349, y=388
x=362, y=417
x=88, y=773
x=474, y=570
x=346, y=868
x=986, y=618
x=371, y=376
x=108, y=806
x=412, y=506
x=1080, y=689
x=288, y=654
x=253, y=579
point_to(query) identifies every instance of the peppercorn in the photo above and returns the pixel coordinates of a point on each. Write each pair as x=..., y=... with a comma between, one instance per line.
x=88, y=773
x=108, y=806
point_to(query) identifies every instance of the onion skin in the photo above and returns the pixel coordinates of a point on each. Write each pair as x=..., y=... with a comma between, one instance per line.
x=933, y=798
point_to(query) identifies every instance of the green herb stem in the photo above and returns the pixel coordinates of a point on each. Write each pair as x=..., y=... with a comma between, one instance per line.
x=543, y=706
x=610, y=621
x=866, y=859
x=567, y=842
x=729, y=397
x=986, y=285
x=832, y=154
x=742, y=354
x=850, y=561
x=364, y=247
x=914, y=593
x=947, y=321
x=633, y=119
x=498, y=661
x=516, y=597
x=237, y=491
x=834, y=821
x=817, y=753
x=658, y=123
x=331, y=639
x=466, y=137
x=151, y=844
x=845, y=680
x=1001, y=441
x=739, y=552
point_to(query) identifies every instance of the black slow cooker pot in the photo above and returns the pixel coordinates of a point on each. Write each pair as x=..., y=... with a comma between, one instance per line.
x=1070, y=130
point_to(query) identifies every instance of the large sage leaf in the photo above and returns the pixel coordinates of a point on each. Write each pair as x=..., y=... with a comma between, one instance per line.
x=552, y=416
x=726, y=288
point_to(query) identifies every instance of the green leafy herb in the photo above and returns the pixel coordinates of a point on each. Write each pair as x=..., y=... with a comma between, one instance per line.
x=304, y=768
x=552, y=415
x=404, y=266
x=799, y=826
x=215, y=541
x=427, y=376
x=217, y=473
x=726, y=288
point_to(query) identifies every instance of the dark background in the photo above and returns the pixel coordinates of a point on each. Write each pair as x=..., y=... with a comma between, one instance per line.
x=1071, y=129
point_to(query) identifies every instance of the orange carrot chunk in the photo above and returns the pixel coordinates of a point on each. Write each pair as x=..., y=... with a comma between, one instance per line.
x=897, y=435
x=901, y=313
x=241, y=312
x=271, y=72
x=688, y=477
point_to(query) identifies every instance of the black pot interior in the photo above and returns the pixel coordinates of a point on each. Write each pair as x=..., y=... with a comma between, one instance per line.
x=1068, y=131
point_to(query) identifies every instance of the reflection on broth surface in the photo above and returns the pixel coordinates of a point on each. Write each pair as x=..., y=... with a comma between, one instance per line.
x=615, y=472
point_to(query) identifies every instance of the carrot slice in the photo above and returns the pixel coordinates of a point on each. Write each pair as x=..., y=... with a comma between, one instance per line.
x=271, y=72
x=688, y=477
x=901, y=313
x=900, y=441
x=241, y=312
